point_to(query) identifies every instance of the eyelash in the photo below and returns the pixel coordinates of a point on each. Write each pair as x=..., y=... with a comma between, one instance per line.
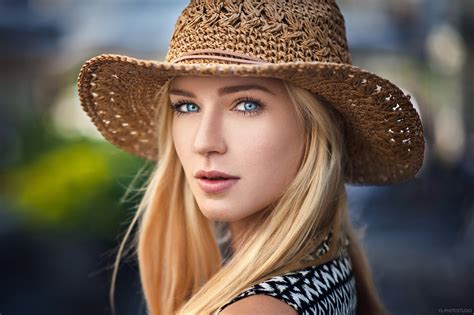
x=174, y=106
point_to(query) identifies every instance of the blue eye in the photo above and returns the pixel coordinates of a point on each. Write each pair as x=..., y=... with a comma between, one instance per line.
x=250, y=106
x=188, y=106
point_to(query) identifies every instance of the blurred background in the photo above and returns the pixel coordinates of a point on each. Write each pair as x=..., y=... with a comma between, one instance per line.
x=62, y=205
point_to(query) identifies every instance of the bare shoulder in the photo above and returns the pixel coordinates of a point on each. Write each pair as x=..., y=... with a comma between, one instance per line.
x=259, y=304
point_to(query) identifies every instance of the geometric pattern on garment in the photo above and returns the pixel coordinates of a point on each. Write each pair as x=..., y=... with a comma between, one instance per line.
x=326, y=289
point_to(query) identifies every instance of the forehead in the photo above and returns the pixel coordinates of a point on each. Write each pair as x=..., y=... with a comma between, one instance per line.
x=197, y=82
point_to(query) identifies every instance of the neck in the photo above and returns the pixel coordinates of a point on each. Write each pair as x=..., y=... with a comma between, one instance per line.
x=243, y=229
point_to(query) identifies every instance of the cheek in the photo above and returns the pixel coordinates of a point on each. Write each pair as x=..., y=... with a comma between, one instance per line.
x=182, y=143
x=269, y=157
x=177, y=140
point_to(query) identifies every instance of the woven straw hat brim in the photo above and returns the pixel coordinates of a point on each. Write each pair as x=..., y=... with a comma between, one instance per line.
x=383, y=132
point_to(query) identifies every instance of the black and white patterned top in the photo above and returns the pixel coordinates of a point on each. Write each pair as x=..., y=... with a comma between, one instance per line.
x=327, y=288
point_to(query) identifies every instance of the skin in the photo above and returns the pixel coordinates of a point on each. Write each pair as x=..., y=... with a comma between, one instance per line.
x=259, y=304
x=263, y=148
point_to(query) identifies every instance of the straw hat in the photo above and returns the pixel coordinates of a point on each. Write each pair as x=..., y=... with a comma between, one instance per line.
x=300, y=41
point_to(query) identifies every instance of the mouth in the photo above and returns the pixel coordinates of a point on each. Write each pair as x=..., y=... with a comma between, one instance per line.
x=216, y=185
x=214, y=182
x=214, y=175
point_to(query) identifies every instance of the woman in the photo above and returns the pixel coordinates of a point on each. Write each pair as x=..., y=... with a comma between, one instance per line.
x=255, y=120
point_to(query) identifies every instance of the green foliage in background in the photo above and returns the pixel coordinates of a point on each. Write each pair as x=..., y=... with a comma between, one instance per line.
x=75, y=185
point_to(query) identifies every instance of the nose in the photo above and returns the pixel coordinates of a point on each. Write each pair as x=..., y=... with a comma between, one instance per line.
x=209, y=136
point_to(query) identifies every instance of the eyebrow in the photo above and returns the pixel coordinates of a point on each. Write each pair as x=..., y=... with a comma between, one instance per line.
x=226, y=90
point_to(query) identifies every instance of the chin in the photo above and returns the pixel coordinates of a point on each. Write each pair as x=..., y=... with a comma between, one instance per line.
x=216, y=213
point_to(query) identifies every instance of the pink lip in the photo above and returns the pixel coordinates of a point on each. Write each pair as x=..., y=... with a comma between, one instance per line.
x=216, y=186
x=212, y=174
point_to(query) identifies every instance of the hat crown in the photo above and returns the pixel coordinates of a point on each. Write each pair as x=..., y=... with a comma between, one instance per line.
x=274, y=31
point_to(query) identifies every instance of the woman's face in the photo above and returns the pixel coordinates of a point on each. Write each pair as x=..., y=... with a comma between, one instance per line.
x=242, y=126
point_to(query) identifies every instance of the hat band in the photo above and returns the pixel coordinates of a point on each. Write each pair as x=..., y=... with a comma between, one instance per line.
x=219, y=54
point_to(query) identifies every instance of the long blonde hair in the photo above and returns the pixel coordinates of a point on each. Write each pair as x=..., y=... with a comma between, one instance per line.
x=180, y=263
